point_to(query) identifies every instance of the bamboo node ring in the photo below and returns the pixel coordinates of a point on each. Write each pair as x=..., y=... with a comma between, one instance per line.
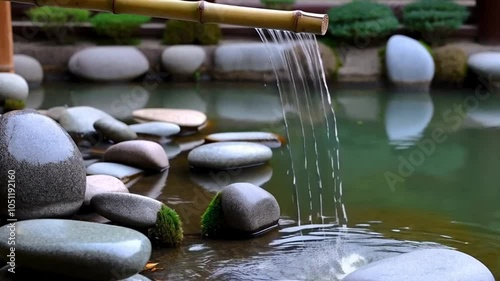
x=296, y=18
x=201, y=8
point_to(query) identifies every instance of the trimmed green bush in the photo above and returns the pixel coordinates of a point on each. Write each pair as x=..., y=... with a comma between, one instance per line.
x=434, y=19
x=119, y=28
x=278, y=4
x=212, y=221
x=451, y=65
x=168, y=229
x=57, y=23
x=187, y=32
x=362, y=19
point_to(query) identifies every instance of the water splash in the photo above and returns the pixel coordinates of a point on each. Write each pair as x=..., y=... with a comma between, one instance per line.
x=309, y=114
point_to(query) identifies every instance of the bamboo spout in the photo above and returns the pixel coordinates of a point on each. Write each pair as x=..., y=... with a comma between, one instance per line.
x=203, y=12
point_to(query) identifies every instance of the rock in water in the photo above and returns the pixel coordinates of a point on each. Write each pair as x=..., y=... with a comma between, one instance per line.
x=97, y=184
x=408, y=62
x=127, y=209
x=108, y=63
x=114, y=130
x=424, y=265
x=77, y=249
x=43, y=165
x=265, y=138
x=181, y=117
x=79, y=120
x=13, y=86
x=229, y=155
x=29, y=68
x=141, y=154
x=183, y=59
x=248, y=208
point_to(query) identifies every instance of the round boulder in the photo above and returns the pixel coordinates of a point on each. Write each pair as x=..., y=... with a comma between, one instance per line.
x=183, y=59
x=248, y=208
x=486, y=64
x=28, y=68
x=109, y=63
x=41, y=167
x=424, y=265
x=409, y=63
x=13, y=86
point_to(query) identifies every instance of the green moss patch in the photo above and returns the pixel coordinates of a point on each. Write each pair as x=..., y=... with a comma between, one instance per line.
x=212, y=221
x=168, y=229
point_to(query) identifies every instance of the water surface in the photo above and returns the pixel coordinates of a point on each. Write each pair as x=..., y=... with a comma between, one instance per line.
x=418, y=170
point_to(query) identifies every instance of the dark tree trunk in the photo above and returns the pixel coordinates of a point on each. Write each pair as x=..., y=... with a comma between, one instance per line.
x=488, y=17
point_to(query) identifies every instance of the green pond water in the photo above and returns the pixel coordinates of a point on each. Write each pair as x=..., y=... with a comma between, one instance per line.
x=418, y=170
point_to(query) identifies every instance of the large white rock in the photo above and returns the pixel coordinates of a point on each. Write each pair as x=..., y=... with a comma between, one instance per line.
x=487, y=64
x=109, y=63
x=13, y=86
x=248, y=57
x=29, y=68
x=408, y=62
x=183, y=59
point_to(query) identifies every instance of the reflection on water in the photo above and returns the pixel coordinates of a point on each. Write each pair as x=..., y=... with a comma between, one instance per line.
x=407, y=116
x=450, y=199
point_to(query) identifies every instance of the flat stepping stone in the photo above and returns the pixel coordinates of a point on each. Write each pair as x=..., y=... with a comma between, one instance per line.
x=141, y=154
x=487, y=64
x=97, y=184
x=131, y=210
x=114, y=130
x=56, y=112
x=160, y=129
x=76, y=248
x=229, y=155
x=122, y=172
x=265, y=138
x=172, y=149
x=424, y=265
x=181, y=117
x=81, y=119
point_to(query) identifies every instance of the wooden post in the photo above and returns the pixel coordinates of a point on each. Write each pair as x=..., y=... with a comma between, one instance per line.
x=6, y=39
x=488, y=21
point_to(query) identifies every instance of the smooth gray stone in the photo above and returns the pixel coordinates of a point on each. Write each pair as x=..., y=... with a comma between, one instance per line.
x=424, y=265
x=214, y=181
x=172, y=149
x=109, y=63
x=120, y=171
x=183, y=59
x=56, y=112
x=13, y=86
x=248, y=208
x=114, y=130
x=161, y=129
x=486, y=64
x=137, y=277
x=97, y=184
x=265, y=138
x=75, y=248
x=47, y=169
x=127, y=209
x=29, y=68
x=142, y=154
x=229, y=155
x=81, y=119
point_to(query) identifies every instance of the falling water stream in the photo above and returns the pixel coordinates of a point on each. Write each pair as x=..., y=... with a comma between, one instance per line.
x=309, y=114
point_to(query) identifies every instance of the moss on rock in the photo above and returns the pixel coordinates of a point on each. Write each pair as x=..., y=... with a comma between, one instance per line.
x=212, y=221
x=13, y=105
x=451, y=65
x=168, y=228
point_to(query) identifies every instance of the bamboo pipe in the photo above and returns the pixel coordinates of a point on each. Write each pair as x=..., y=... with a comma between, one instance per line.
x=6, y=42
x=202, y=12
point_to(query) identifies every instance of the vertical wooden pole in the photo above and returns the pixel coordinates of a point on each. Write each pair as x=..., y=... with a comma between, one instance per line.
x=6, y=39
x=488, y=21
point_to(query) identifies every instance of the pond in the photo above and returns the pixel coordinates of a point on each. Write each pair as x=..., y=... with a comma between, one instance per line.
x=419, y=170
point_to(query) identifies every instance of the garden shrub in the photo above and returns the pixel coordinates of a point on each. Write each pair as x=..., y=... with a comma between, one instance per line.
x=451, y=65
x=434, y=20
x=188, y=32
x=362, y=19
x=119, y=28
x=58, y=23
x=278, y=4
